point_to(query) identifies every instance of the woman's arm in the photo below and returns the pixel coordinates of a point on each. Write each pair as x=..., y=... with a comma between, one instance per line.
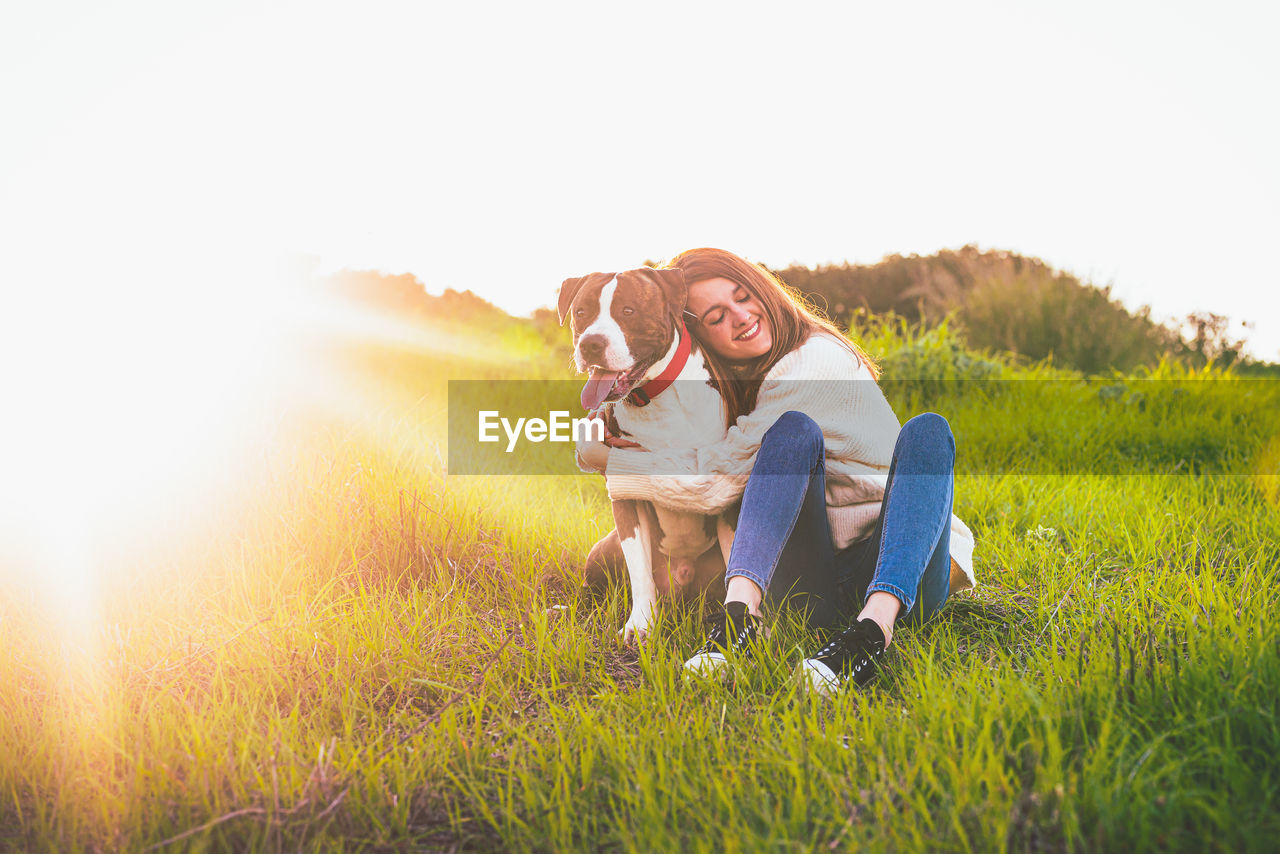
x=593, y=456
x=821, y=378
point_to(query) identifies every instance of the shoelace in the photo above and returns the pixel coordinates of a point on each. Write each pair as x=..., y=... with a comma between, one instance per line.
x=864, y=655
x=717, y=638
x=836, y=644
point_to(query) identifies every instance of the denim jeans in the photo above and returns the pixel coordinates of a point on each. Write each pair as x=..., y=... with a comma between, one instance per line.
x=783, y=540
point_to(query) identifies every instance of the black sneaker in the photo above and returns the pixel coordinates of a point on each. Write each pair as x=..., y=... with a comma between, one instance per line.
x=853, y=656
x=732, y=631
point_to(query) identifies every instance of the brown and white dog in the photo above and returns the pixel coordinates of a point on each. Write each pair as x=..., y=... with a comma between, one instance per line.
x=652, y=381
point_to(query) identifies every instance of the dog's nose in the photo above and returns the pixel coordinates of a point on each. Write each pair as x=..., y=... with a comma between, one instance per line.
x=592, y=347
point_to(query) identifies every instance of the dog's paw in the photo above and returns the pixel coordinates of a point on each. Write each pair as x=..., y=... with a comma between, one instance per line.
x=634, y=631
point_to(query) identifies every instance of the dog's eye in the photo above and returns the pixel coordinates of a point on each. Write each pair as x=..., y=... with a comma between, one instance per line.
x=627, y=311
x=578, y=312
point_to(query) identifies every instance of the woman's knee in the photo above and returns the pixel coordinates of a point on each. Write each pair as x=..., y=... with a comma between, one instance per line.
x=931, y=429
x=929, y=425
x=795, y=427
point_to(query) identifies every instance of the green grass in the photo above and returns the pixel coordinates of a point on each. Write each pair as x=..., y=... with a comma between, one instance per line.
x=363, y=653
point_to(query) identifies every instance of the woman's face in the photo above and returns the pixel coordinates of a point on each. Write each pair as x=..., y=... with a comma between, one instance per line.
x=731, y=322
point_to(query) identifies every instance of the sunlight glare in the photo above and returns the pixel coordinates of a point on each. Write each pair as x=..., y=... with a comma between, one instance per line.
x=147, y=400
x=135, y=396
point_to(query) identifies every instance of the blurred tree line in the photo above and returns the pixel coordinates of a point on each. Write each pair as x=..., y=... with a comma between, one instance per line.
x=1005, y=302
x=404, y=296
x=997, y=301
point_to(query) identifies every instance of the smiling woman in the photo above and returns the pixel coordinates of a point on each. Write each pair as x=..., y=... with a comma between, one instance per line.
x=732, y=318
x=803, y=413
x=745, y=319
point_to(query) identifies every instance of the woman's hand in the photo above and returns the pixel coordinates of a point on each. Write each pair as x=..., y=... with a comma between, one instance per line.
x=609, y=439
x=595, y=455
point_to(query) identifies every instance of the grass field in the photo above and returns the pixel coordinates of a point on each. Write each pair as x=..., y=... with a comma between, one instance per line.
x=351, y=650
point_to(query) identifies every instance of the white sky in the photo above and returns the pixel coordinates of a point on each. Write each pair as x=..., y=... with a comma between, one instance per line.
x=502, y=147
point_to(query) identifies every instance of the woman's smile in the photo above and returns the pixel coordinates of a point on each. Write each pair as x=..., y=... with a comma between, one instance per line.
x=731, y=320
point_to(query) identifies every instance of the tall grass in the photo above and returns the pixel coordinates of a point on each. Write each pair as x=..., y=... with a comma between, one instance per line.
x=366, y=652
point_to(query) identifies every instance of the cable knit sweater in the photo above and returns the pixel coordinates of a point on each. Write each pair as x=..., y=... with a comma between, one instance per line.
x=826, y=381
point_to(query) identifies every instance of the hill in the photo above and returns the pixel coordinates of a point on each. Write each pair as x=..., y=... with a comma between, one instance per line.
x=1011, y=303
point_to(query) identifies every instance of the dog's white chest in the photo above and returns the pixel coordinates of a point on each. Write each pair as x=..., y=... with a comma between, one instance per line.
x=687, y=414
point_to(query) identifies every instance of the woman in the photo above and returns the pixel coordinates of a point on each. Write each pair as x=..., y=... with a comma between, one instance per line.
x=843, y=513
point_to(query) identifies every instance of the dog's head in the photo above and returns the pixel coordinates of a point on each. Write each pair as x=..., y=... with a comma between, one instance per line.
x=623, y=324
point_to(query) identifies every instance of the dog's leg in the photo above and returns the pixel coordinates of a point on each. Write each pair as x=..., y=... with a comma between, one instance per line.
x=635, y=532
x=724, y=534
x=708, y=575
x=605, y=564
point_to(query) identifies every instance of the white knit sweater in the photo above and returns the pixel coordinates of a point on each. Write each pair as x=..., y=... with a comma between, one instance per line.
x=826, y=381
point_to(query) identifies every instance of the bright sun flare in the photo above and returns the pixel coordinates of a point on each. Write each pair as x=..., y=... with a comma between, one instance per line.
x=149, y=404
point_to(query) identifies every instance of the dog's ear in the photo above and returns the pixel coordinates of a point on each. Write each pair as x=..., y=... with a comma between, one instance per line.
x=568, y=290
x=673, y=287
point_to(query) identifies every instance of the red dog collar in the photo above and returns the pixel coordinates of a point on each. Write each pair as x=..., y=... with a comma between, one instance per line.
x=647, y=392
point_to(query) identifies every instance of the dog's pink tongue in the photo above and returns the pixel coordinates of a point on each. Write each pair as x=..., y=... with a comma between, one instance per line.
x=598, y=388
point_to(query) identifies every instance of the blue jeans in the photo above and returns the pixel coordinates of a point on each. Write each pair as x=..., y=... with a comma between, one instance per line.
x=783, y=541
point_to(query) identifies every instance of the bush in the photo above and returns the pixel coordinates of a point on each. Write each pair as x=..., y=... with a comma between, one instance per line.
x=921, y=362
x=1056, y=318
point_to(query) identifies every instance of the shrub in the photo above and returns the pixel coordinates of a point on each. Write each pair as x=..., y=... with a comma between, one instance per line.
x=1057, y=318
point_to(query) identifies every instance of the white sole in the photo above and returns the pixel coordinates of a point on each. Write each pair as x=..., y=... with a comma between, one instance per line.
x=819, y=678
x=707, y=664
